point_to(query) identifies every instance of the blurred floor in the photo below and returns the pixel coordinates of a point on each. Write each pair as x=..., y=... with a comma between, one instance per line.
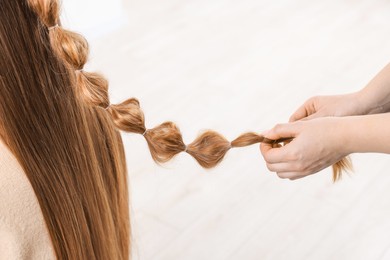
x=235, y=66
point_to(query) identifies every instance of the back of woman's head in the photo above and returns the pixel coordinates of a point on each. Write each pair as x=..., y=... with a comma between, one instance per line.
x=57, y=120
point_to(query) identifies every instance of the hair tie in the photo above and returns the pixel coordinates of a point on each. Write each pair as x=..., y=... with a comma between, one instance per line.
x=53, y=27
x=108, y=107
x=186, y=149
x=145, y=132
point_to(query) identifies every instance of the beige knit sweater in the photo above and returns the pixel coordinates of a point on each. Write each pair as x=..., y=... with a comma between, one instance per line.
x=23, y=233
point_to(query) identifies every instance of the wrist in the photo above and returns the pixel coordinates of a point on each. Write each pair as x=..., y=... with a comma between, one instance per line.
x=364, y=134
x=346, y=135
x=366, y=102
x=376, y=94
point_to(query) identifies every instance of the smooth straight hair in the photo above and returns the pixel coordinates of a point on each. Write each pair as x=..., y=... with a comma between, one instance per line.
x=70, y=151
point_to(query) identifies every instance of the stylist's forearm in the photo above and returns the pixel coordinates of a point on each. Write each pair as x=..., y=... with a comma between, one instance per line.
x=364, y=134
x=376, y=95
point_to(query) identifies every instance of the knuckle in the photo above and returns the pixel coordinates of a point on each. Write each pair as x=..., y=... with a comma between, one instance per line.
x=313, y=99
x=296, y=156
x=264, y=155
x=293, y=155
x=269, y=166
x=268, y=158
x=300, y=166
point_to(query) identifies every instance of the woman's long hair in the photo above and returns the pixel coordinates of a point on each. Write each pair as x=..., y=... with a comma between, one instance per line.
x=69, y=149
x=57, y=120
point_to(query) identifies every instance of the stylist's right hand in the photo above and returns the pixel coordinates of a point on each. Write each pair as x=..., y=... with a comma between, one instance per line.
x=316, y=144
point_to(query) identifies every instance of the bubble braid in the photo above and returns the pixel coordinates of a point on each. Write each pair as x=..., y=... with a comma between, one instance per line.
x=164, y=141
x=73, y=49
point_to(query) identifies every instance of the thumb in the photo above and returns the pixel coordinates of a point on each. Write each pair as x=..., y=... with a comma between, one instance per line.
x=312, y=116
x=295, y=117
x=303, y=111
x=299, y=114
x=279, y=131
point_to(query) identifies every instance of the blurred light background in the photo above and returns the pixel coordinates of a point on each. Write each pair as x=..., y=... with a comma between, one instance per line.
x=235, y=66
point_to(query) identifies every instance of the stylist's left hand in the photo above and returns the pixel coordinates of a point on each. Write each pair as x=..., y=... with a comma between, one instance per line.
x=317, y=144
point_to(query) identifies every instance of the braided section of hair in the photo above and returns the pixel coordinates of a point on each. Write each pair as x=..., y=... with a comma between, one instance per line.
x=73, y=49
x=164, y=141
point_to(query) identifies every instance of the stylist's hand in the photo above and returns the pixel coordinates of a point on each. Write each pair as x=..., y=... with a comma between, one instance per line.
x=338, y=105
x=317, y=144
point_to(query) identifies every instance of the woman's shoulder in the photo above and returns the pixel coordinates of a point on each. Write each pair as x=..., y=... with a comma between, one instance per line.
x=23, y=233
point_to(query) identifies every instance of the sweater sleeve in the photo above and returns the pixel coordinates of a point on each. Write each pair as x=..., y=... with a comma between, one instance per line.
x=23, y=232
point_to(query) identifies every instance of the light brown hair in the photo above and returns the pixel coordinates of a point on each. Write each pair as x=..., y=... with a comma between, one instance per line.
x=54, y=120
x=67, y=145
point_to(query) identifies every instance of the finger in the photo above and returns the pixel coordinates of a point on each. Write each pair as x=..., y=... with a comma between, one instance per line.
x=273, y=155
x=288, y=175
x=282, y=131
x=279, y=154
x=307, y=109
x=297, y=177
x=281, y=167
x=300, y=113
x=312, y=116
x=264, y=149
x=306, y=117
